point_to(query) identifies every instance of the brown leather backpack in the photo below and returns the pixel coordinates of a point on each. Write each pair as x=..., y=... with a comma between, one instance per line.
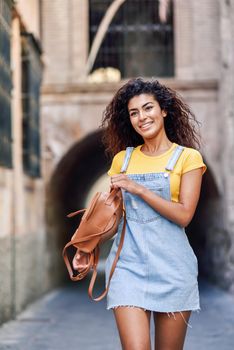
x=99, y=223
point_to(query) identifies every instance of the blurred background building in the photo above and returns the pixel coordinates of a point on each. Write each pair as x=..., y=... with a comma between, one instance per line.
x=60, y=63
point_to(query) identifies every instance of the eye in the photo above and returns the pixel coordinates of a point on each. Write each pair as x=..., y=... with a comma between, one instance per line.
x=148, y=108
x=133, y=114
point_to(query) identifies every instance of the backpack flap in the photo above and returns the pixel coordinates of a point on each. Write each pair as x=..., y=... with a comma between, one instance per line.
x=100, y=219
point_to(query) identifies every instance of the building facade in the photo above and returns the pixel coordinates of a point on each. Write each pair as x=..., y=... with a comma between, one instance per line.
x=23, y=258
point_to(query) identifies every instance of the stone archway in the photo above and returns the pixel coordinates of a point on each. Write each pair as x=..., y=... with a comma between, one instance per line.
x=67, y=190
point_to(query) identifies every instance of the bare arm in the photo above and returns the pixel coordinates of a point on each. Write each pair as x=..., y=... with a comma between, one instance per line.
x=182, y=212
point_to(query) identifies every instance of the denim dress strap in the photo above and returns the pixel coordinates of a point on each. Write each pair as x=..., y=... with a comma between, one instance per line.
x=127, y=157
x=174, y=158
x=170, y=165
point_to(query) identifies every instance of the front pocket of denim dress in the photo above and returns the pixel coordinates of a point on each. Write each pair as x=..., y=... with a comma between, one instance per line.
x=138, y=210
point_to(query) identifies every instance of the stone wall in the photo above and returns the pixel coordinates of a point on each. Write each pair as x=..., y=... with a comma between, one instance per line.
x=225, y=115
x=197, y=38
x=6, y=253
x=65, y=40
x=25, y=257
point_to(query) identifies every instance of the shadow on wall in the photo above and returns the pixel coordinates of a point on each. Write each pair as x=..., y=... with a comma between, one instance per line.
x=81, y=168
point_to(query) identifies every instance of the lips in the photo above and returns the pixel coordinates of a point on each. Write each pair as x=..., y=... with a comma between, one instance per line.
x=146, y=125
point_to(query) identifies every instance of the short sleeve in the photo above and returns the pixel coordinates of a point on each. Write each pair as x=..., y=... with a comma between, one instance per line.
x=193, y=161
x=116, y=164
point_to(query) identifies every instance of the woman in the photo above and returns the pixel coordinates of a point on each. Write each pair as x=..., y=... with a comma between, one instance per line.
x=157, y=268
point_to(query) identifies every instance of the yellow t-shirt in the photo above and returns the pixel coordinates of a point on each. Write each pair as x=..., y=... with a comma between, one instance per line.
x=141, y=163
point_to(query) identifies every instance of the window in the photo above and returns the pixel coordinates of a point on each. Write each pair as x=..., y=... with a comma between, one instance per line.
x=136, y=42
x=31, y=81
x=5, y=84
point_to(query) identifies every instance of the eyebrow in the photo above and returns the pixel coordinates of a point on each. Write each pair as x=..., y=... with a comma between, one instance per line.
x=145, y=104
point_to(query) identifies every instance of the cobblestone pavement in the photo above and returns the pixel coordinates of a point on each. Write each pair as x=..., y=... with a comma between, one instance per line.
x=66, y=319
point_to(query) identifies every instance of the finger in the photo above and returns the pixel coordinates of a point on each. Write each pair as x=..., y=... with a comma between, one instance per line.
x=118, y=176
x=119, y=179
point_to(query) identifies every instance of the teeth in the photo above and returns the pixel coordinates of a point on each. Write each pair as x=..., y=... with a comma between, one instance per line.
x=145, y=125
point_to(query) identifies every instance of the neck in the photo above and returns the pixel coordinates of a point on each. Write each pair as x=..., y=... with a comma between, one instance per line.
x=152, y=146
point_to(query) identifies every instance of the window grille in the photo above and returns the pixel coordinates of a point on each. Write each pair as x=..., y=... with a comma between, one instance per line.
x=5, y=84
x=136, y=42
x=31, y=81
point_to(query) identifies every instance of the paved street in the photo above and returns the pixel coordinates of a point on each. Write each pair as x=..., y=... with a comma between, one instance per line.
x=66, y=319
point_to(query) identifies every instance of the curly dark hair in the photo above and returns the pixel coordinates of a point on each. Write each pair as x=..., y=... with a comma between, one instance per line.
x=180, y=123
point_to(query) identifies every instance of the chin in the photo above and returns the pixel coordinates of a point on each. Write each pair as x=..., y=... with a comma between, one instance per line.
x=149, y=134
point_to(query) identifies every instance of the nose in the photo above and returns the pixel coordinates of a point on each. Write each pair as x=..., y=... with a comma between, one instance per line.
x=142, y=115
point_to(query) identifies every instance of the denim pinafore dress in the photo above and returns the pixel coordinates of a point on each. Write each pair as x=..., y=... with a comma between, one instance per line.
x=157, y=269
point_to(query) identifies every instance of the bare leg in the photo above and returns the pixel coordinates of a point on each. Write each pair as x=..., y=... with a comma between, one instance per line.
x=170, y=331
x=134, y=327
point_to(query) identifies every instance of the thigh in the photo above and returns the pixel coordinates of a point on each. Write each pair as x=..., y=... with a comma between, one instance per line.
x=134, y=327
x=170, y=331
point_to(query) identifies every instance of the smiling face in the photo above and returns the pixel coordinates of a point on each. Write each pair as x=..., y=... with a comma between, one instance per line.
x=146, y=116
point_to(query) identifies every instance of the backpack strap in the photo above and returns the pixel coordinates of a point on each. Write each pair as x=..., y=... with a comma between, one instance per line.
x=96, y=257
x=127, y=157
x=174, y=158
